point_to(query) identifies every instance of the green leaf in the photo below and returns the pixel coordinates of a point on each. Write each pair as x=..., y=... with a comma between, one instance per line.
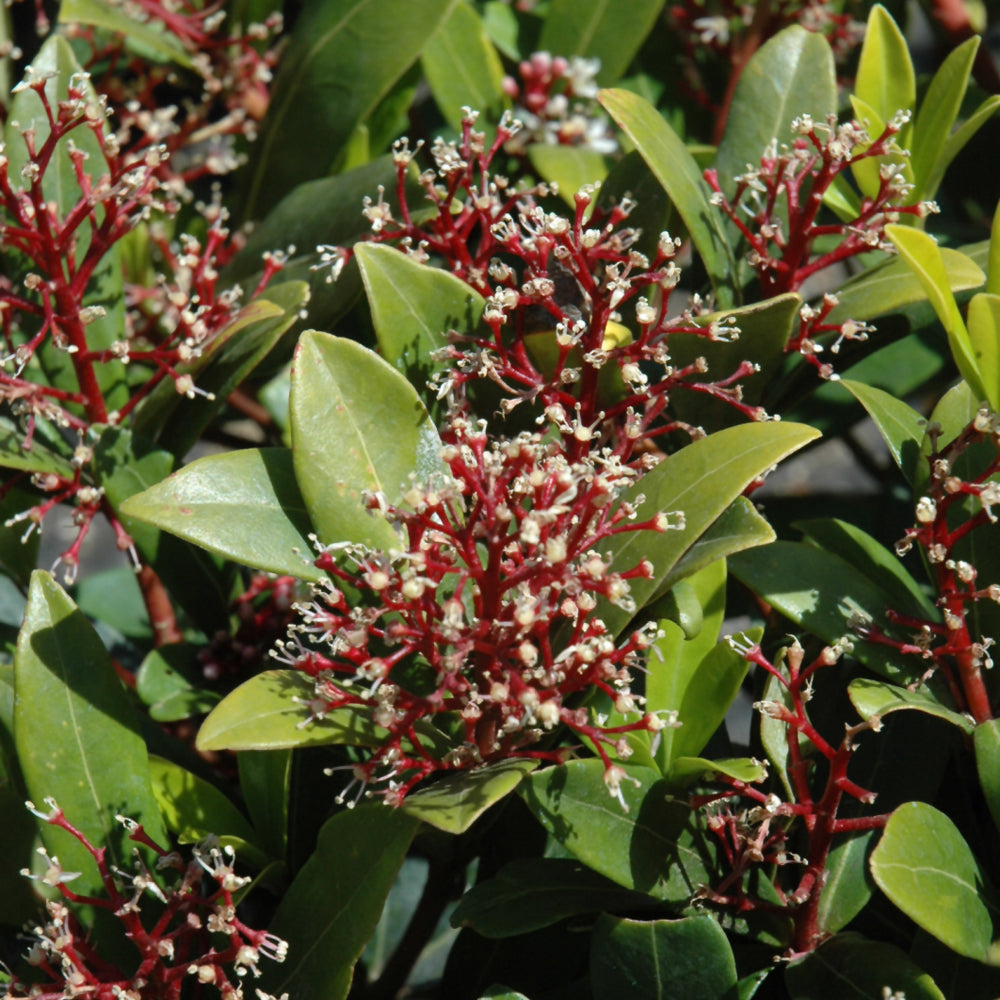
x=876, y=699
x=175, y=422
x=993, y=257
x=987, y=743
x=265, y=779
x=848, y=967
x=502, y=993
x=455, y=802
x=938, y=112
x=824, y=594
x=531, y=893
x=680, y=176
x=332, y=77
x=790, y=75
x=162, y=685
x=655, y=846
x=462, y=67
x=357, y=426
x=597, y=29
x=192, y=809
x=149, y=39
x=18, y=554
x=701, y=480
x=331, y=909
x=212, y=501
x=866, y=171
x=687, y=959
x=77, y=738
x=414, y=307
x=13, y=454
x=865, y=554
x=848, y=885
x=886, y=81
x=960, y=139
x=984, y=337
x=923, y=864
x=261, y=714
x=921, y=252
x=568, y=167
x=686, y=770
x=901, y=427
x=892, y=285
x=765, y=328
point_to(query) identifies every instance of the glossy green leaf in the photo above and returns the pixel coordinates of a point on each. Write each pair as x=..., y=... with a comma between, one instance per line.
x=77, y=738
x=849, y=967
x=886, y=80
x=687, y=959
x=686, y=770
x=738, y=528
x=212, y=501
x=192, y=809
x=892, y=286
x=792, y=74
x=261, y=714
x=531, y=893
x=414, y=307
x=923, y=864
x=357, y=427
x=987, y=744
x=902, y=428
x=921, y=252
x=848, y=885
x=655, y=846
x=938, y=112
x=150, y=39
x=864, y=553
x=330, y=911
x=701, y=480
x=866, y=171
x=340, y=63
x=13, y=454
x=680, y=176
x=569, y=168
x=876, y=699
x=462, y=67
x=824, y=594
x=162, y=685
x=265, y=781
x=455, y=802
x=175, y=422
x=708, y=696
x=984, y=336
x=598, y=29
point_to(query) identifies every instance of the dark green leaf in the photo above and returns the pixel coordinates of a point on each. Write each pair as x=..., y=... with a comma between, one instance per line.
x=655, y=846
x=902, y=428
x=265, y=779
x=686, y=770
x=688, y=959
x=215, y=500
x=923, y=864
x=455, y=802
x=77, y=738
x=848, y=885
x=13, y=454
x=331, y=909
x=676, y=170
x=18, y=549
x=162, y=685
x=150, y=39
x=537, y=892
x=340, y=63
x=875, y=699
x=987, y=744
x=850, y=968
x=462, y=67
x=792, y=74
x=357, y=426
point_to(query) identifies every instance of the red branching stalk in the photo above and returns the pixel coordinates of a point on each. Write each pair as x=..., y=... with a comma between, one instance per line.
x=486, y=615
x=944, y=517
x=777, y=206
x=192, y=941
x=759, y=836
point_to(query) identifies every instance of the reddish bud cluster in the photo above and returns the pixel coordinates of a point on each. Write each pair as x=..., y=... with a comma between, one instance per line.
x=760, y=835
x=485, y=614
x=953, y=506
x=776, y=207
x=191, y=940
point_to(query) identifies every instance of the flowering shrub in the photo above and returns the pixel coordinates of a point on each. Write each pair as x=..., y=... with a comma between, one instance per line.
x=451, y=555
